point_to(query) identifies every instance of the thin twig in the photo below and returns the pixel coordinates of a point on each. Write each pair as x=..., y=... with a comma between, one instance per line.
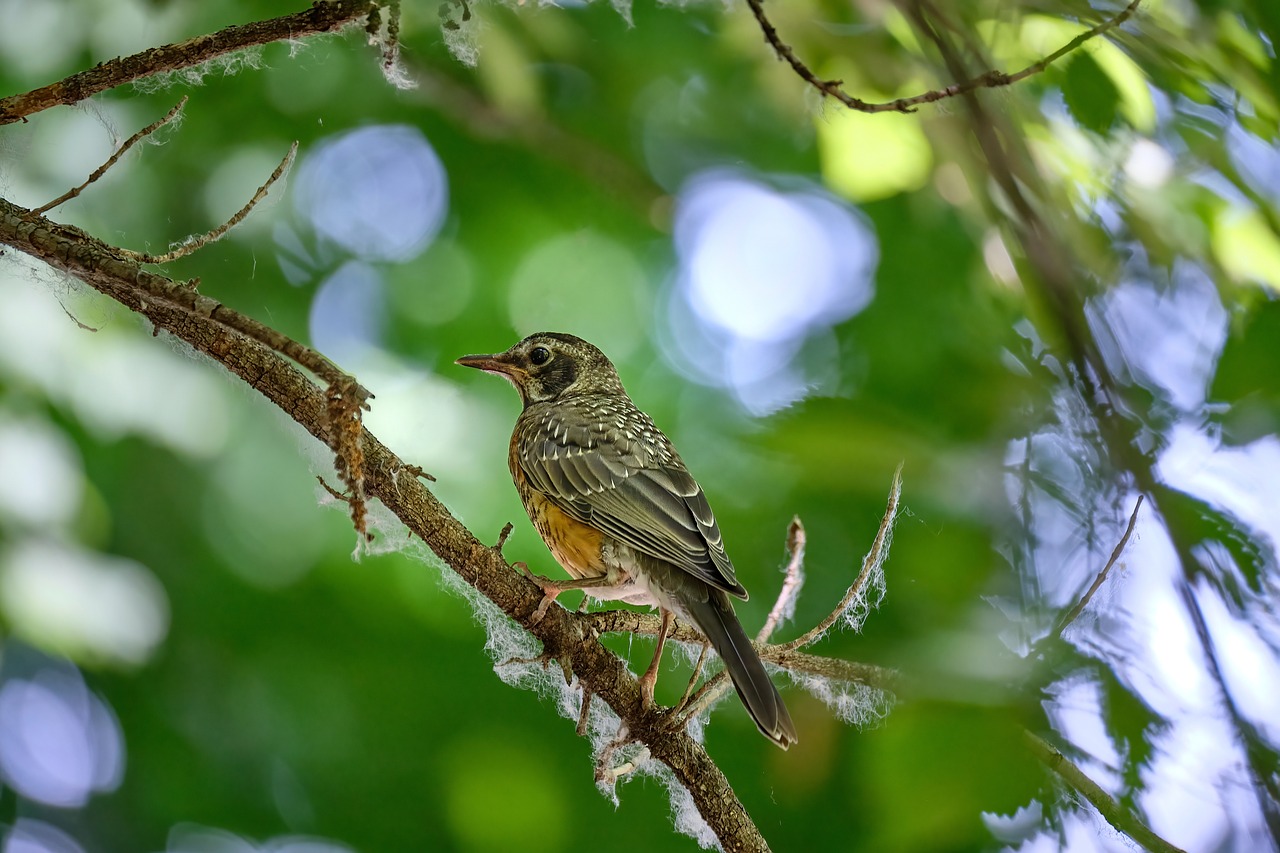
x=874, y=558
x=111, y=161
x=502, y=535
x=199, y=242
x=1102, y=575
x=333, y=493
x=989, y=80
x=73, y=318
x=707, y=695
x=693, y=679
x=608, y=774
x=1113, y=812
x=791, y=582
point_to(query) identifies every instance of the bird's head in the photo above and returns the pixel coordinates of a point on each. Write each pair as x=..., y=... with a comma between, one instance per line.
x=548, y=366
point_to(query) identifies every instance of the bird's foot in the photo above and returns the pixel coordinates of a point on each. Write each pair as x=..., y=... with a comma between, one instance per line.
x=650, y=677
x=550, y=590
x=647, y=683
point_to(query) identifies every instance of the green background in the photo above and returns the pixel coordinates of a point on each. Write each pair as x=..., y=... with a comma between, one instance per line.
x=170, y=582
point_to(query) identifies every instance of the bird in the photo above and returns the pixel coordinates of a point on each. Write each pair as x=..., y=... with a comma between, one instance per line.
x=620, y=512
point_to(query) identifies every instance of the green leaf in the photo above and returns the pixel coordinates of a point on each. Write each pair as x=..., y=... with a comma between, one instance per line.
x=1091, y=95
x=1247, y=378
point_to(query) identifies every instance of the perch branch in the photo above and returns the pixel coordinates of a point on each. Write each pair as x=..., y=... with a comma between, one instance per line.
x=647, y=624
x=784, y=655
x=111, y=161
x=323, y=16
x=989, y=80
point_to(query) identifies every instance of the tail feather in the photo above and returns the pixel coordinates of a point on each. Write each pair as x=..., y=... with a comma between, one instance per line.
x=715, y=618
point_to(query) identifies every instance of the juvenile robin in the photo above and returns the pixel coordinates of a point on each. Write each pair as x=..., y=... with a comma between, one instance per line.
x=619, y=511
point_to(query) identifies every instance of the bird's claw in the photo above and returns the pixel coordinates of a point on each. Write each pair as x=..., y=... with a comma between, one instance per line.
x=646, y=691
x=541, y=612
x=550, y=590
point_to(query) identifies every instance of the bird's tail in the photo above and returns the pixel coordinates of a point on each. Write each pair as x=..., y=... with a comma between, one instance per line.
x=716, y=619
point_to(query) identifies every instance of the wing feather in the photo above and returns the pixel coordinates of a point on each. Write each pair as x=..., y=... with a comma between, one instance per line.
x=631, y=485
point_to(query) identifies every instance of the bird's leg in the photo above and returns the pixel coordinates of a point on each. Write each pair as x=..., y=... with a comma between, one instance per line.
x=551, y=589
x=650, y=677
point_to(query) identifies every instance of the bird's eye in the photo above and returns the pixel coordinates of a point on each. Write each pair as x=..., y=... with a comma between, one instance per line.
x=540, y=355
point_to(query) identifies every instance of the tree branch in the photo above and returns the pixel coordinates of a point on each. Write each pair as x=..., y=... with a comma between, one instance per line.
x=564, y=635
x=1111, y=811
x=989, y=80
x=1080, y=605
x=323, y=16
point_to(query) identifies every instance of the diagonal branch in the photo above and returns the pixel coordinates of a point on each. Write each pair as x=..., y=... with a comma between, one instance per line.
x=79, y=251
x=322, y=17
x=1112, y=811
x=989, y=80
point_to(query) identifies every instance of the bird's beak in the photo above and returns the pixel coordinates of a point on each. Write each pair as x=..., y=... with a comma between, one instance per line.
x=498, y=364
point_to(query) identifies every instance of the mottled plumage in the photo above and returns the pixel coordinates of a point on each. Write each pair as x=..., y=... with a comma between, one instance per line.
x=619, y=511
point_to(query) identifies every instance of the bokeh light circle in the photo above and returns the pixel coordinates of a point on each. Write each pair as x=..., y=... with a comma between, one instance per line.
x=763, y=272
x=379, y=192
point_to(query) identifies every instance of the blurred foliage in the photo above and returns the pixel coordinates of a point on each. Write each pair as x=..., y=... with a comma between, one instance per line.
x=291, y=691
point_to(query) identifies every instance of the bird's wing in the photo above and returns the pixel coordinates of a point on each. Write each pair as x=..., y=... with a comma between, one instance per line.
x=630, y=484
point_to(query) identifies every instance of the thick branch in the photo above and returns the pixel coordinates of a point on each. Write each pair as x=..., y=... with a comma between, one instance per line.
x=563, y=635
x=324, y=16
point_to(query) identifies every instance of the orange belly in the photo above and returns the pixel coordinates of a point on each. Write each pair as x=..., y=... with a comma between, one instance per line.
x=576, y=546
